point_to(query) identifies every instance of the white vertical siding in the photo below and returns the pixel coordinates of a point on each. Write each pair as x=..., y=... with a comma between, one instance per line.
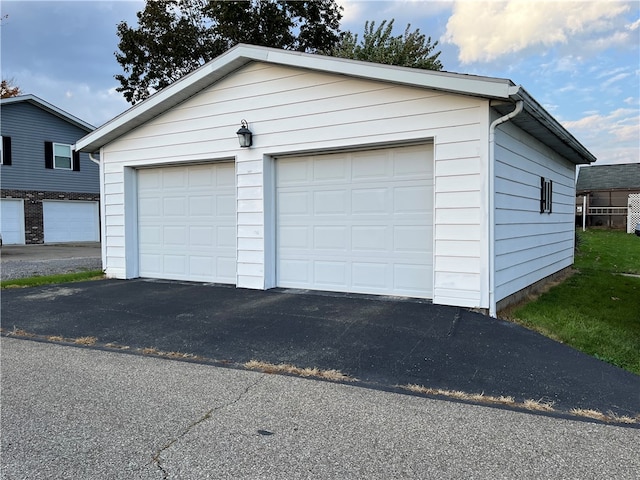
x=530, y=245
x=292, y=111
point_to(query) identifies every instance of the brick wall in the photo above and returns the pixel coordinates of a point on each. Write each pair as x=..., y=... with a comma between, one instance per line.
x=33, y=218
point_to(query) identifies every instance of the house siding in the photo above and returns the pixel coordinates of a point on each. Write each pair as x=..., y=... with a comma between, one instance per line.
x=530, y=245
x=294, y=111
x=29, y=127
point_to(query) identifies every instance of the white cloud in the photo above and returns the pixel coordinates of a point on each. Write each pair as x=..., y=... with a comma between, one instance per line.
x=613, y=136
x=485, y=31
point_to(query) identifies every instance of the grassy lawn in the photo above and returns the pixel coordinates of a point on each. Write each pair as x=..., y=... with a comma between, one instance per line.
x=50, y=279
x=597, y=310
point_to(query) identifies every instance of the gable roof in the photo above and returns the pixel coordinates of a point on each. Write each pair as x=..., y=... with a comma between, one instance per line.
x=535, y=120
x=624, y=176
x=46, y=106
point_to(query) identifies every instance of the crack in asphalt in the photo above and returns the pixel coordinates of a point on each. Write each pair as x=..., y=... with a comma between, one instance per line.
x=156, y=458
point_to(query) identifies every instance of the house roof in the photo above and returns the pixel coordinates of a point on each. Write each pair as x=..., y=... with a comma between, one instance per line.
x=38, y=102
x=624, y=176
x=535, y=119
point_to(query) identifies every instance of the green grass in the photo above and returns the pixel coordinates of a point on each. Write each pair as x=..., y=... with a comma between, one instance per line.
x=596, y=310
x=50, y=279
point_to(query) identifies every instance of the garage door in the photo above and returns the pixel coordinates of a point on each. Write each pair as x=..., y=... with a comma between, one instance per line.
x=187, y=223
x=12, y=221
x=357, y=222
x=70, y=221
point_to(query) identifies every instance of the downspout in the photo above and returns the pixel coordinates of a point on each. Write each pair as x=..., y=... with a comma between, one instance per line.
x=492, y=194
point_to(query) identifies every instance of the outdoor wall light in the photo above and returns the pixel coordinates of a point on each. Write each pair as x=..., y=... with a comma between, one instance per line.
x=244, y=134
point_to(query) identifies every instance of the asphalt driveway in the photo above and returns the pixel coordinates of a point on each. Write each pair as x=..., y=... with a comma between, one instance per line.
x=383, y=342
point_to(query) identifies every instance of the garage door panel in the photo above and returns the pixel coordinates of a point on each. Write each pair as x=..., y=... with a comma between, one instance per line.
x=330, y=273
x=226, y=205
x=294, y=272
x=370, y=226
x=334, y=238
x=70, y=221
x=12, y=218
x=186, y=223
x=370, y=276
x=413, y=239
x=330, y=202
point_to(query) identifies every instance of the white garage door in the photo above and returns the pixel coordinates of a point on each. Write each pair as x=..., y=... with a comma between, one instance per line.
x=12, y=221
x=187, y=223
x=357, y=222
x=70, y=221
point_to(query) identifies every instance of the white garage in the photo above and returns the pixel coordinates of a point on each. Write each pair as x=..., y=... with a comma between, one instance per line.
x=186, y=223
x=12, y=221
x=358, y=177
x=70, y=221
x=357, y=222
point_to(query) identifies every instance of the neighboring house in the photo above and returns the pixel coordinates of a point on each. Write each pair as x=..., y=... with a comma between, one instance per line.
x=49, y=192
x=604, y=191
x=361, y=177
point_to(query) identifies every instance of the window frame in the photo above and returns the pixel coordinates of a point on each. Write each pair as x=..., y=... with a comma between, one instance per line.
x=70, y=147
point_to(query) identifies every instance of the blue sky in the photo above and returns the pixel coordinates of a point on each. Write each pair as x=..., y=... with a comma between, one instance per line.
x=580, y=60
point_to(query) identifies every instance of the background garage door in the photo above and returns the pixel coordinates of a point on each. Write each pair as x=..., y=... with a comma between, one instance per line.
x=12, y=221
x=357, y=222
x=187, y=223
x=70, y=221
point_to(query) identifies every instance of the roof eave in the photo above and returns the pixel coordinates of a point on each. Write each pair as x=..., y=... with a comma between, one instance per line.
x=532, y=107
x=58, y=112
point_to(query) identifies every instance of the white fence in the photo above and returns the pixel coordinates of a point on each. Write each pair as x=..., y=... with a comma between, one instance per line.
x=633, y=212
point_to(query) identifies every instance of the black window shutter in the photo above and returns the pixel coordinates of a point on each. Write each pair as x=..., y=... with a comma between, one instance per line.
x=549, y=200
x=48, y=154
x=76, y=161
x=542, y=195
x=6, y=150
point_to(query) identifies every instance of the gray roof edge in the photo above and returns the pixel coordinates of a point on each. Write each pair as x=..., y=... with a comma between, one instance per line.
x=532, y=106
x=34, y=100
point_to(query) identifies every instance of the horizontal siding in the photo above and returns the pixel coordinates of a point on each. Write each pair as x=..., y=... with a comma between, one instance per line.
x=29, y=127
x=530, y=246
x=292, y=111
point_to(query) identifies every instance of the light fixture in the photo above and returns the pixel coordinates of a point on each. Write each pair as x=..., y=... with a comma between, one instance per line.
x=244, y=134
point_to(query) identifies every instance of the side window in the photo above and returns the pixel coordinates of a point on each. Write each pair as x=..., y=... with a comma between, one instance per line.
x=546, y=195
x=62, y=156
x=5, y=150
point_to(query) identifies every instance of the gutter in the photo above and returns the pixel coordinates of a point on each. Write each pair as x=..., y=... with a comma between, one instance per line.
x=492, y=194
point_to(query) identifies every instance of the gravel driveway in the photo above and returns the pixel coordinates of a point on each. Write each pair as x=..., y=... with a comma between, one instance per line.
x=22, y=261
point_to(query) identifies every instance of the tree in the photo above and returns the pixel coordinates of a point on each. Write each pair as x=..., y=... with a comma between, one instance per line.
x=8, y=89
x=174, y=37
x=413, y=49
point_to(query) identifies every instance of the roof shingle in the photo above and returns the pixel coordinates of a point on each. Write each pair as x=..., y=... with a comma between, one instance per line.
x=624, y=176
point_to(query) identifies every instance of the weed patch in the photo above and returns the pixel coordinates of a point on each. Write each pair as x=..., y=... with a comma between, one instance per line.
x=332, y=375
x=52, y=279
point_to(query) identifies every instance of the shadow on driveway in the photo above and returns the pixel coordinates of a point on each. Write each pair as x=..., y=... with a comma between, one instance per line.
x=382, y=342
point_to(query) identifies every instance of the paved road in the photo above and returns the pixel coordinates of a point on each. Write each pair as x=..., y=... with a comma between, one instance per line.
x=84, y=414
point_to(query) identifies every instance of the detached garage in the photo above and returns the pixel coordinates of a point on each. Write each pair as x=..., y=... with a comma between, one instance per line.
x=359, y=177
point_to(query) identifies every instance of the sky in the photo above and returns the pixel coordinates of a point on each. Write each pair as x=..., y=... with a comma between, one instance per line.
x=580, y=59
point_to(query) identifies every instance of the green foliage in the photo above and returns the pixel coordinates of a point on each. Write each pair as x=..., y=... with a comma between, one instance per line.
x=50, y=279
x=597, y=310
x=412, y=49
x=175, y=37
